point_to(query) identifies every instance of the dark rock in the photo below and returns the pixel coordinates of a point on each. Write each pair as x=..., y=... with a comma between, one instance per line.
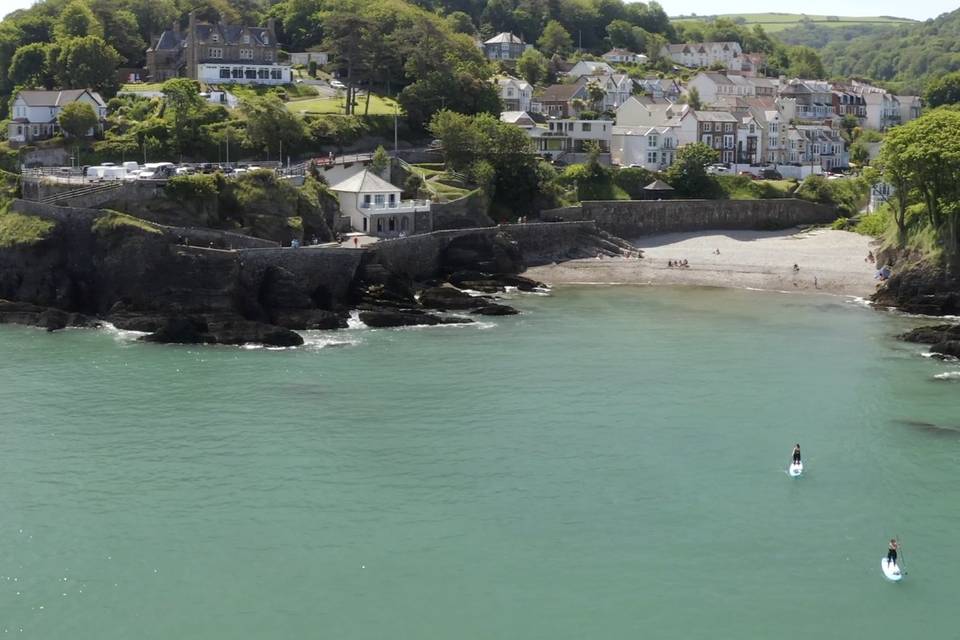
x=483, y=253
x=180, y=330
x=456, y=320
x=521, y=283
x=924, y=289
x=281, y=289
x=311, y=319
x=445, y=298
x=238, y=331
x=126, y=322
x=392, y=318
x=496, y=310
x=947, y=348
x=53, y=319
x=483, y=286
x=457, y=278
x=932, y=335
x=49, y=318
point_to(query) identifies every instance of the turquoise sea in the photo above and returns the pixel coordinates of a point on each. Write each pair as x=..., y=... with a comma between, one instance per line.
x=610, y=464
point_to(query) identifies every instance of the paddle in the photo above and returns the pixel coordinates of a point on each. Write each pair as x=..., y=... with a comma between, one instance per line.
x=901, y=557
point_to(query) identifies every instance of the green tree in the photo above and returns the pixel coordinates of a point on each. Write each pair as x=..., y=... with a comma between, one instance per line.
x=29, y=65
x=77, y=119
x=693, y=99
x=532, y=66
x=122, y=32
x=77, y=20
x=621, y=34
x=271, y=126
x=460, y=91
x=153, y=16
x=86, y=63
x=184, y=102
x=461, y=22
x=859, y=154
x=805, y=63
x=943, y=90
x=596, y=95
x=381, y=160
x=346, y=34
x=688, y=174
x=555, y=39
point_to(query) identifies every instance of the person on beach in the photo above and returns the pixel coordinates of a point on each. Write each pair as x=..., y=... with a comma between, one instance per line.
x=892, y=551
x=670, y=263
x=355, y=242
x=870, y=257
x=796, y=453
x=796, y=268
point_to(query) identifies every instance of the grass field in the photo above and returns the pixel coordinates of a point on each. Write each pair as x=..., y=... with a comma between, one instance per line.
x=773, y=22
x=378, y=105
x=142, y=86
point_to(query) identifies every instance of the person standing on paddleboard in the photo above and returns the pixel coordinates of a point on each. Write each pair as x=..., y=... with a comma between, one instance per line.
x=892, y=552
x=796, y=454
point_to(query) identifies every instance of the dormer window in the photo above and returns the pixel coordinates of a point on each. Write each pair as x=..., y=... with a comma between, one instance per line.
x=246, y=39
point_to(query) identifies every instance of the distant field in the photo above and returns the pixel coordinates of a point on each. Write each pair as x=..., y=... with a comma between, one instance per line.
x=773, y=22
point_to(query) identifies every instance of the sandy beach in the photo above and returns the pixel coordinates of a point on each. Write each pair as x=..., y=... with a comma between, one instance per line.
x=830, y=262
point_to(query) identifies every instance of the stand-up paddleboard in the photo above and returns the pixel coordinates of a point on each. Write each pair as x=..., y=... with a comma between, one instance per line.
x=795, y=469
x=891, y=570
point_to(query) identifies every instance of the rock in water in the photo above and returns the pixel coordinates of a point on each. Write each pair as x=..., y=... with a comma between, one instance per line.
x=393, y=318
x=238, y=331
x=947, y=348
x=496, y=310
x=445, y=298
x=310, y=319
x=932, y=335
x=180, y=330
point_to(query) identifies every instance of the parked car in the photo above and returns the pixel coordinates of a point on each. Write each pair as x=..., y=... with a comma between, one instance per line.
x=717, y=169
x=435, y=144
x=771, y=174
x=336, y=84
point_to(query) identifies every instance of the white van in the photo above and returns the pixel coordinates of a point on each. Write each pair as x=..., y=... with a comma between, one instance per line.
x=155, y=170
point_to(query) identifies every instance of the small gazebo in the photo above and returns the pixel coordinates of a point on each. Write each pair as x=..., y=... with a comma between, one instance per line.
x=658, y=190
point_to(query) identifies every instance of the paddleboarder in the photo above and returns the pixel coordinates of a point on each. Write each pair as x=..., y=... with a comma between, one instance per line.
x=796, y=454
x=892, y=551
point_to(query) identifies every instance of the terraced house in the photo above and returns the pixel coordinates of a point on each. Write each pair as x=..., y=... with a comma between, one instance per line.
x=218, y=54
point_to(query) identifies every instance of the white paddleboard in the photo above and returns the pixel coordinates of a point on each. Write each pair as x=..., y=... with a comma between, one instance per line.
x=891, y=570
x=795, y=469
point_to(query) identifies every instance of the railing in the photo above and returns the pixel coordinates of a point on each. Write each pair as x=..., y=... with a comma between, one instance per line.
x=396, y=205
x=83, y=191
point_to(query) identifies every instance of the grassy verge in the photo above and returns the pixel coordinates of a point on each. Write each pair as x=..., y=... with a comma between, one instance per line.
x=142, y=86
x=379, y=105
x=16, y=228
x=115, y=220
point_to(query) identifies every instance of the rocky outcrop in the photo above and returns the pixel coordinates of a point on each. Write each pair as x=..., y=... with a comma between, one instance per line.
x=482, y=252
x=922, y=289
x=492, y=283
x=46, y=317
x=220, y=330
x=947, y=348
x=495, y=310
x=448, y=298
x=932, y=334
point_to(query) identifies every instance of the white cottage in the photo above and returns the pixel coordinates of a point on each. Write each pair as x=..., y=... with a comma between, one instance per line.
x=34, y=113
x=374, y=205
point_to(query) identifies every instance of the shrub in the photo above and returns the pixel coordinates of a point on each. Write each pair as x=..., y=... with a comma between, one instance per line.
x=632, y=180
x=194, y=187
x=16, y=228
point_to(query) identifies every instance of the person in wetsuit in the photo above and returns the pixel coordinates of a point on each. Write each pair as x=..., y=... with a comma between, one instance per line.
x=796, y=454
x=892, y=552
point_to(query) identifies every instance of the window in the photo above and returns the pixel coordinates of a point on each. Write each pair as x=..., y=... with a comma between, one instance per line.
x=276, y=74
x=237, y=72
x=216, y=53
x=246, y=39
x=263, y=74
x=708, y=126
x=215, y=37
x=509, y=93
x=246, y=54
x=728, y=142
x=585, y=127
x=379, y=199
x=652, y=157
x=728, y=127
x=753, y=129
x=266, y=39
x=652, y=141
x=708, y=140
x=366, y=201
x=225, y=72
x=250, y=74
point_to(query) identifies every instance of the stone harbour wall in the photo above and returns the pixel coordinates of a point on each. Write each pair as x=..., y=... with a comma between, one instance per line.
x=635, y=218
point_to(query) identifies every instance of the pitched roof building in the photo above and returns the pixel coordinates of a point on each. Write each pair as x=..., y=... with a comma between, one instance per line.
x=34, y=113
x=217, y=54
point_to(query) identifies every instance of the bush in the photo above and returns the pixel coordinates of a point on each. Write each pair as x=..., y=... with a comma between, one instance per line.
x=194, y=187
x=847, y=195
x=632, y=180
x=873, y=224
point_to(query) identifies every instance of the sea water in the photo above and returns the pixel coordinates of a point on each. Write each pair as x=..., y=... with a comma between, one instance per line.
x=609, y=464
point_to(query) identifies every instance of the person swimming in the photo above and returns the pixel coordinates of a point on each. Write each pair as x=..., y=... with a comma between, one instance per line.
x=796, y=454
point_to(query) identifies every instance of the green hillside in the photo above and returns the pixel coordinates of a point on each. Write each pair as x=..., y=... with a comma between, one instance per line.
x=774, y=22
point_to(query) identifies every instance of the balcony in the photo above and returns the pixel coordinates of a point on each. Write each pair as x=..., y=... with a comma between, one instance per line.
x=397, y=206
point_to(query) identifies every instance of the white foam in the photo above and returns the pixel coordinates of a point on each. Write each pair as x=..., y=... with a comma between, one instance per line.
x=948, y=375
x=317, y=340
x=354, y=321
x=123, y=335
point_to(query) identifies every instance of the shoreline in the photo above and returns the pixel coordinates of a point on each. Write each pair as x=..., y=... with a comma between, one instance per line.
x=831, y=262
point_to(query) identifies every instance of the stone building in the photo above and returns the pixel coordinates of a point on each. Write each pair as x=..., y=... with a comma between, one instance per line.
x=217, y=54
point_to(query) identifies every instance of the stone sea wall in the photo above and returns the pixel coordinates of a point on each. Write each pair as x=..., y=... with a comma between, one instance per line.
x=632, y=219
x=419, y=257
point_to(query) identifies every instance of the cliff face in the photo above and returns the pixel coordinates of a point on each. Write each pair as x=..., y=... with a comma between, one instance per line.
x=922, y=288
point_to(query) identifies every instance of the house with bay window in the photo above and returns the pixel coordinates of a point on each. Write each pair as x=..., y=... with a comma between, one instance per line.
x=34, y=114
x=375, y=207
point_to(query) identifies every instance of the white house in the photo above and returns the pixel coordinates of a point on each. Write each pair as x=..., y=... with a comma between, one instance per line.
x=374, y=205
x=515, y=93
x=520, y=119
x=590, y=68
x=570, y=136
x=34, y=114
x=644, y=111
x=617, y=89
x=623, y=56
x=713, y=85
x=653, y=148
x=705, y=54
